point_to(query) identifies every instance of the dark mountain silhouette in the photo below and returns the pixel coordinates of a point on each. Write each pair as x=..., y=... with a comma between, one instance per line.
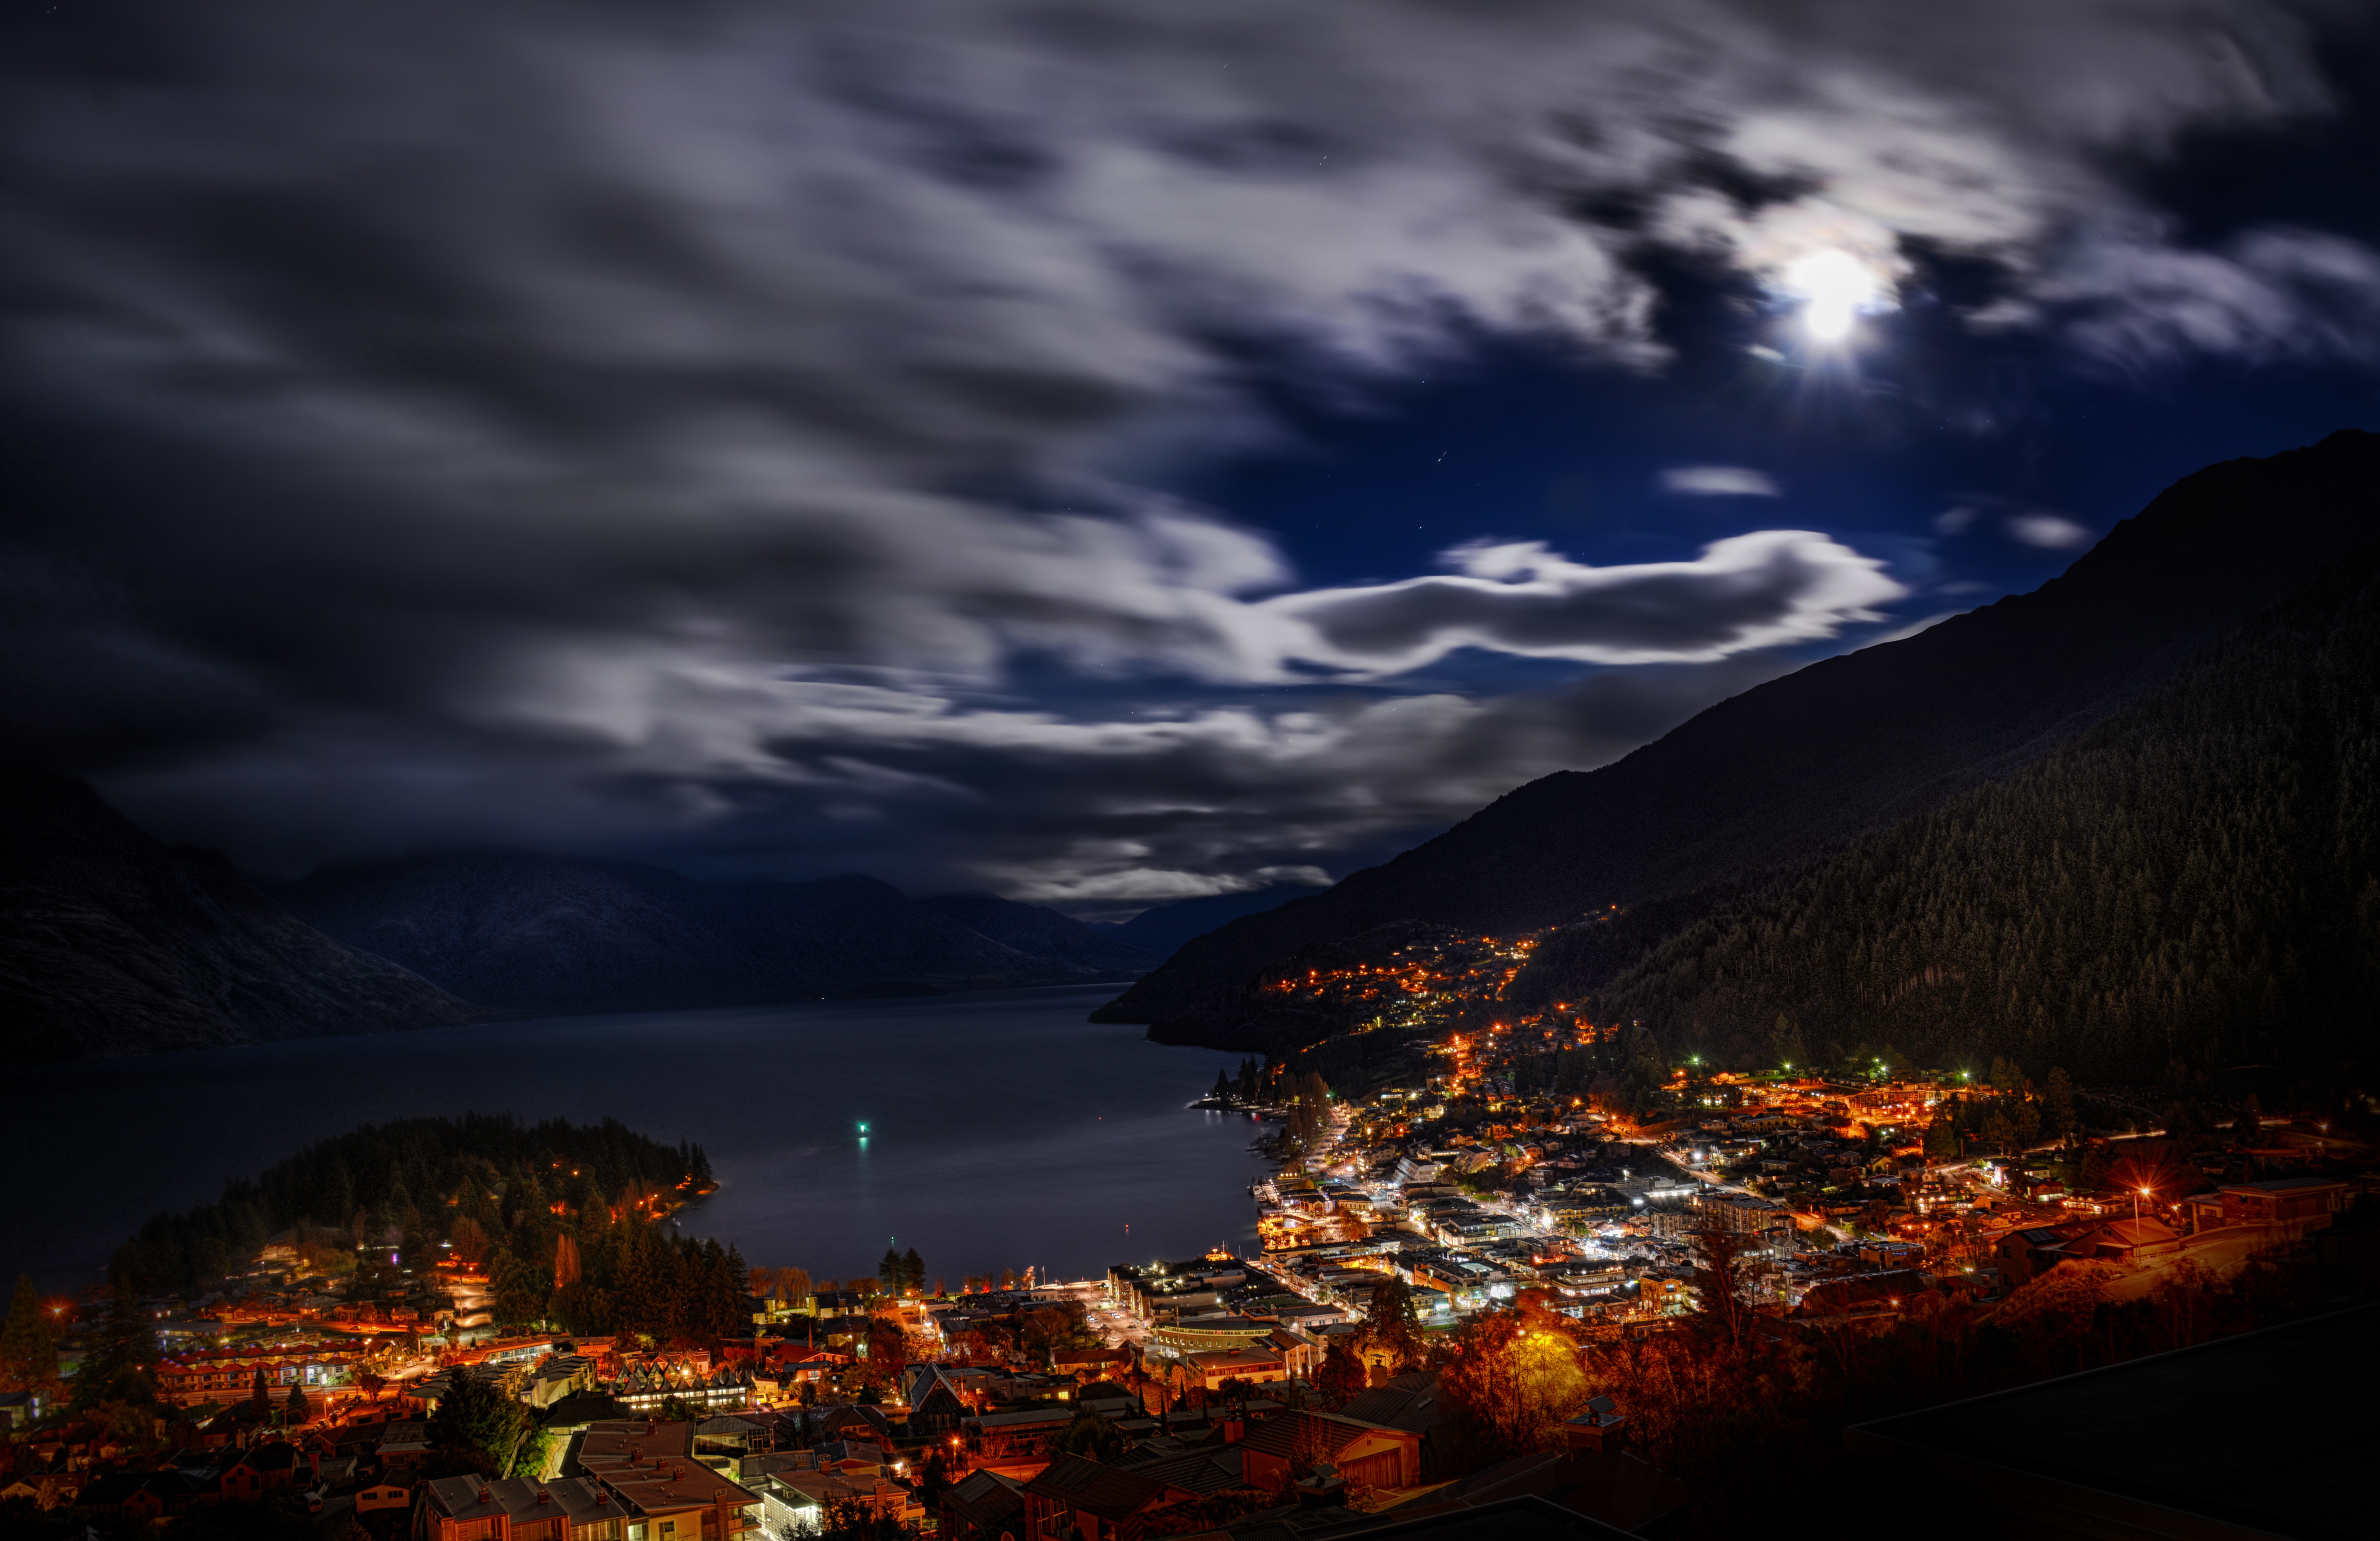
x=2195, y=879
x=1769, y=780
x=1040, y=932
x=563, y=935
x=112, y=942
x=1161, y=931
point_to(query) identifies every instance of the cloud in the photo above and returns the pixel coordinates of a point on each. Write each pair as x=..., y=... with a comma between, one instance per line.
x=1950, y=521
x=562, y=422
x=1758, y=590
x=1719, y=481
x=2054, y=531
x=2135, y=301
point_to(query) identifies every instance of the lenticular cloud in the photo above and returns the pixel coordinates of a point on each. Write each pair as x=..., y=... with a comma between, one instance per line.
x=1756, y=590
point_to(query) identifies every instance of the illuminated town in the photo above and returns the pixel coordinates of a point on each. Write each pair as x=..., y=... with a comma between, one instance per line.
x=1464, y=1256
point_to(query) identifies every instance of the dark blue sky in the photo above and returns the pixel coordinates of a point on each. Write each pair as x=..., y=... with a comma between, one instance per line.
x=1101, y=453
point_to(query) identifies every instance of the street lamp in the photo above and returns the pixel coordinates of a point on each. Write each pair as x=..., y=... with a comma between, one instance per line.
x=2137, y=1196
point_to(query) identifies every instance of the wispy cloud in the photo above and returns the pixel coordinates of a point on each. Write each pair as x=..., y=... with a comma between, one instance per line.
x=1719, y=481
x=2054, y=531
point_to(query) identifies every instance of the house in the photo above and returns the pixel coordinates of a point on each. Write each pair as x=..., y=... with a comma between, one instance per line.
x=1245, y=1364
x=1862, y=1293
x=394, y=1491
x=664, y=1494
x=1075, y=1496
x=2305, y=1202
x=518, y=1508
x=1365, y=1455
x=1027, y=1431
x=2022, y=1254
x=935, y=1404
x=2125, y=1241
x=853, y=1421
x=403, y=1443
x=794, y=1502
x=986, y=1506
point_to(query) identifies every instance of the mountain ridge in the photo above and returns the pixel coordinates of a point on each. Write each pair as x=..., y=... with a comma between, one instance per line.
x=112, y=942
x=567, y=935
x=1771, y=777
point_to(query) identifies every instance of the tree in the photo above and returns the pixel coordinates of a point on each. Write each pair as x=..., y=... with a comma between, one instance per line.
x=1942, y=1139
x=2057, y=1106
x=120, y=1364
x=469, y=1241
x=1341, y=1376
x=1511, y=1382
x=567, y=1266
x=29, y=1352
x=260, y=1394
x=296, y=1409
x=480, y=1426
x=1717, y=1273
x=913, y=1271
x=1088, y=1434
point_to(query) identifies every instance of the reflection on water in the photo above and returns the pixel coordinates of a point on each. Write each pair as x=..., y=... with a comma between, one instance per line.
x=1001, y=1129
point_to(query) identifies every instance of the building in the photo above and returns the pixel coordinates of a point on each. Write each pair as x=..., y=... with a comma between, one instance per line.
x=517, y=1509
x=663, y=1493
x=1365, y=1455
x=1075, y=1498
x=1246, y=1363
x=1027, y=1431
x=2301, y=1201
x=2125, y=1241
x=986, y=1506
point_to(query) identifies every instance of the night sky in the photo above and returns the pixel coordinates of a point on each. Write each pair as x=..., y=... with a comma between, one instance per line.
x=1103, y=453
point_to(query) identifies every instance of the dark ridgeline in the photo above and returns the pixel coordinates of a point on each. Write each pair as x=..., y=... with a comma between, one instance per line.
x=561, y=935
x=112, y=942
x=2193, y=878
x=1161, y=931
x=1735, y=806
x=1042, y=932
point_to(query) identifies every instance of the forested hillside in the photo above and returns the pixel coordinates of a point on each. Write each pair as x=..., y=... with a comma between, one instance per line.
x=560, y=1215
x=2196, y=879
x=1843, y=748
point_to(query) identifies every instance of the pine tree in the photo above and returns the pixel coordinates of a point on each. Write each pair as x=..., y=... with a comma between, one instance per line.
x=29, y=1352
x=296, y=1409
x=913, y=1270
x=120, y=1363
x=2058, y=1098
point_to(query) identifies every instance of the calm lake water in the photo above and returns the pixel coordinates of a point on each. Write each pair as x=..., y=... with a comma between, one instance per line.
x=1003, y=1130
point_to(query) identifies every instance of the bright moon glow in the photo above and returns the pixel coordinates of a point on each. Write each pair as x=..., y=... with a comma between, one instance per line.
x=1834, y=287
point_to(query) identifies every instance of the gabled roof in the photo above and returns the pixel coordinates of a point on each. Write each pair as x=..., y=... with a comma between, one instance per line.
x=1409, y=1401
x=1316, y=1435
x=985, y=1500
x=1110, y=1492
x=1198, y=1470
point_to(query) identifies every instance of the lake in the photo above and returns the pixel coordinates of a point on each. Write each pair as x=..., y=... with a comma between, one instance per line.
x=1003, y=1129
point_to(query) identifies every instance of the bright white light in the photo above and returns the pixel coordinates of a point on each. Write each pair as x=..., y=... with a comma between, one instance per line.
x=1834, y=287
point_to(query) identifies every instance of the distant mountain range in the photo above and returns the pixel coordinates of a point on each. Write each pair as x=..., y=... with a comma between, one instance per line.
x=1751, y=794
x=113, y=944
x=1161, y=931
